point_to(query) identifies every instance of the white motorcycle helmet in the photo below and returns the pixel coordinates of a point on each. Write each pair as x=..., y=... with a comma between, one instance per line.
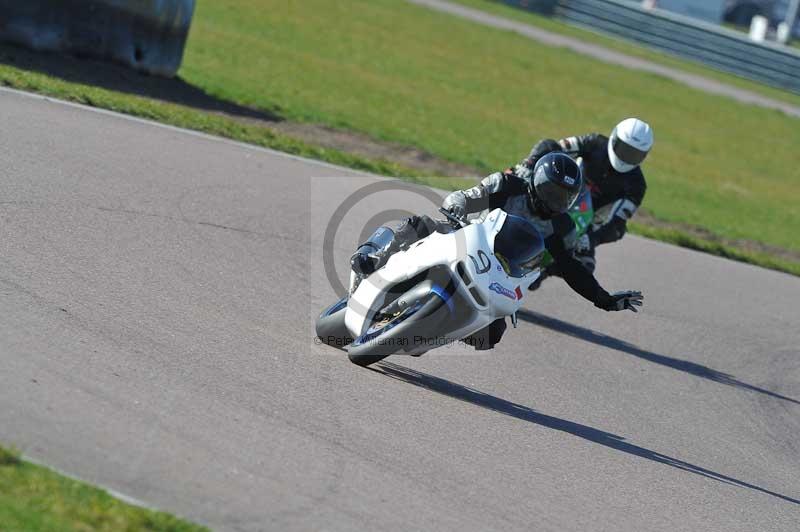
x=629, y=144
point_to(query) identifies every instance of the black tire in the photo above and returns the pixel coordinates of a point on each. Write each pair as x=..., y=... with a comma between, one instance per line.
x=422, y=321
x=365, y=360
x=330, y=326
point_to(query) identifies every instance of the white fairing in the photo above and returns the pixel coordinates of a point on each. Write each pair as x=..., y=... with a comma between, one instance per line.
x=491, y=292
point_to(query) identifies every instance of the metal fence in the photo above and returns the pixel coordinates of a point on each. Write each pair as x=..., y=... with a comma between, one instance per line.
x=711, y=44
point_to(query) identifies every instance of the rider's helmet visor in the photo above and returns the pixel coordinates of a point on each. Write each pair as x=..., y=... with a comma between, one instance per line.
x=557, y=198
x=627, y=153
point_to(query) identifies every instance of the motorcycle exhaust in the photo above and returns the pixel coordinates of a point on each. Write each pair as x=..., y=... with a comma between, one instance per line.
x=420, y=291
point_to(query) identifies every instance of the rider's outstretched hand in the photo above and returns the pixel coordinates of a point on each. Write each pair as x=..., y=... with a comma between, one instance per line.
x=627, y=300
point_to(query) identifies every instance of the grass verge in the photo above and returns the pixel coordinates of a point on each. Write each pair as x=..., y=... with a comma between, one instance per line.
x=35, y=498
x=686, y=240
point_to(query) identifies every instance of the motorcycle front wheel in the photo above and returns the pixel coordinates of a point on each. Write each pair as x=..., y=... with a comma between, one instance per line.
x=387, y=336
x=330, y=325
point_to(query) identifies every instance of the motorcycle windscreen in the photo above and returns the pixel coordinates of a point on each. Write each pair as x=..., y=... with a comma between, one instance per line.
x=519, y=246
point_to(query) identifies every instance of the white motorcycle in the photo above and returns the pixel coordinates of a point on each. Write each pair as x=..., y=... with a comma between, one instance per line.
x=444, y=288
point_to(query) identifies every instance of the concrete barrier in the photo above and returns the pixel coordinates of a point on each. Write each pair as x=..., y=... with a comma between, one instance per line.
x=148, y=35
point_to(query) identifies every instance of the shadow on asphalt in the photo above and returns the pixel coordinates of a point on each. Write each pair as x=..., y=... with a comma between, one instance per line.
x=123, y=79
x=524, y=413
x=610, y=342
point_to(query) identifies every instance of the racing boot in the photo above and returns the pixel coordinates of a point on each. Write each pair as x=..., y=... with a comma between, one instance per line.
x=487, y=337
x=550, y=270
x=537, y=283
x=373, y=254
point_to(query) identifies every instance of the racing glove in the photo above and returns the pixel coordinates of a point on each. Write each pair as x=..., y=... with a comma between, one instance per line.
x=627, y=300
x=456, y=203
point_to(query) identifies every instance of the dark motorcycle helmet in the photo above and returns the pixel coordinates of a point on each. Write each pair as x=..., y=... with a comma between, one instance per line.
x=555, y=184
x=540, y=149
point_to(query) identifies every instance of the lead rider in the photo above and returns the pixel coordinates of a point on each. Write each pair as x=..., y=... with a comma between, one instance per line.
x=541, y=192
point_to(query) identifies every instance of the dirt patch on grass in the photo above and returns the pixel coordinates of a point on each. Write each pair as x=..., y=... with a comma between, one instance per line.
x=364, y=146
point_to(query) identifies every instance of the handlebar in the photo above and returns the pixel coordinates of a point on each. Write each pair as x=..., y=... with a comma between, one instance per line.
x=458, y=222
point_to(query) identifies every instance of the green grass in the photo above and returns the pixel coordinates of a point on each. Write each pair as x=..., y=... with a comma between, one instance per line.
x=630, y=48
x=481, y=96
x=33, y=498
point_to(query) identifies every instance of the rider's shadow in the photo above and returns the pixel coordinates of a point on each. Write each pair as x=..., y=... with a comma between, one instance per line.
x=610, y=342
x=524, y=413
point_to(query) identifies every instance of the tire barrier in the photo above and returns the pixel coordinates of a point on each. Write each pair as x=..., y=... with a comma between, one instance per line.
x=148, y=35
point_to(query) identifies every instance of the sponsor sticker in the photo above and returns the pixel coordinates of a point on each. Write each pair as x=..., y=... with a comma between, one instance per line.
x=568, y=180
x=503, y=291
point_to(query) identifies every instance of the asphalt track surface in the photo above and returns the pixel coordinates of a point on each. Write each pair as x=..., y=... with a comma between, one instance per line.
x=158, y=291
x=607, y=55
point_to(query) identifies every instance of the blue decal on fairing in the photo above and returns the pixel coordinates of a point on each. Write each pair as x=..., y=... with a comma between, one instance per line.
x=439, y=291
x=503, y=291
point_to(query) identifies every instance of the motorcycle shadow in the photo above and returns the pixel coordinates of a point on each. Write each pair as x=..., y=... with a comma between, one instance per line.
x=603, y=340
x=524, y=413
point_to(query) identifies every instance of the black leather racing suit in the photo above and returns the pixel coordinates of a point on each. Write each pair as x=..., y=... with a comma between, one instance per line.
x=509, y=191
x=616, y=196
